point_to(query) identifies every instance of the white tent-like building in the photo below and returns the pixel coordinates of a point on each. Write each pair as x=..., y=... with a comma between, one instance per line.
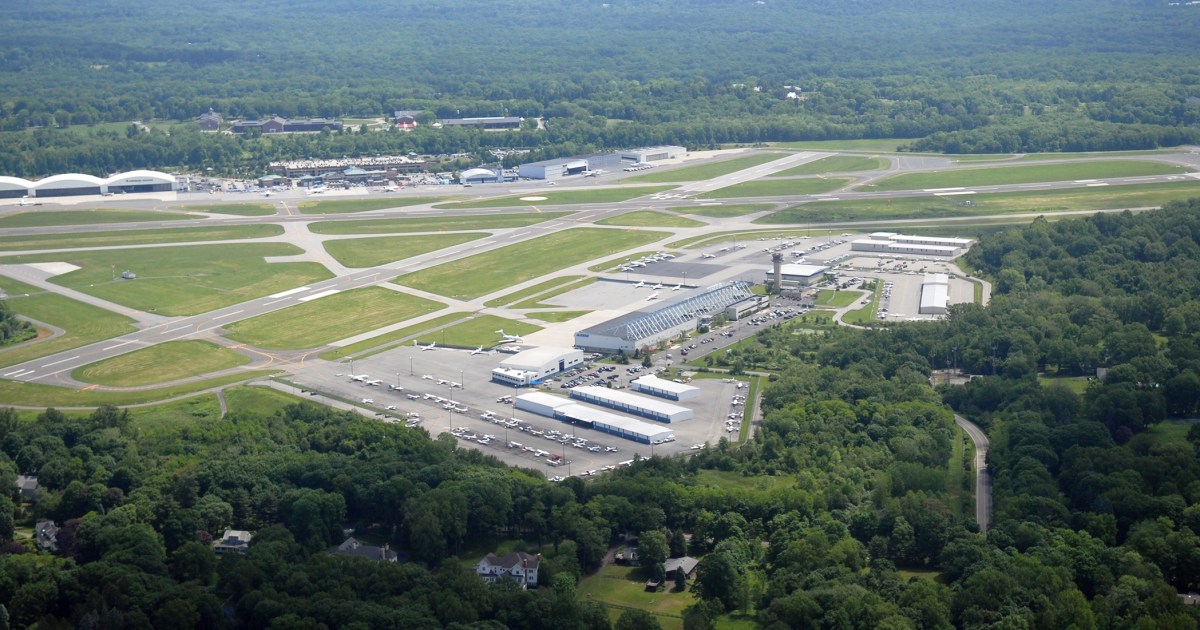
x=77, y=184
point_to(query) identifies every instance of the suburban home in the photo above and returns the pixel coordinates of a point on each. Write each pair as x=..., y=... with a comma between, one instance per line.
x=687, y=564
x=235, y=540
x=520, y=566
x=210, y=121
x=27, y=486
x=46, y=536
x=352, y=547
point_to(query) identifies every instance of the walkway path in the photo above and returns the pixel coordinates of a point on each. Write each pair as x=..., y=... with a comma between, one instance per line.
x=983, y=480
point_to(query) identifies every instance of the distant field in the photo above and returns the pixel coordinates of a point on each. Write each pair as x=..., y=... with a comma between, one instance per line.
x=331, y=318
x=49, y=218
x=433, y=224
x=138, y=237
x=621, y=587
x=650, y=218
x=240, y=209
x=879, y=145
x=160, y=363
x=379, y=343
x=1037, y=157
x=556, y=316
x=709, y=169
x=83, y=323
x=835, y=164
x=536, y=289
x=1087, y=198
x=346, y=206
x=478, y=331
x=724, y=211
x=484, y=273
x=1076, y=384
x=1025, y=174
x=33, y=394
x=183, y=280
x=773, y=187
x=372, y=252
x=561, y=197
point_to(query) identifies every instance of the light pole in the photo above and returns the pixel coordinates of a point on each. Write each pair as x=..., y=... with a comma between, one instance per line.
x=462, y=381
x=410, y=367
x=351, y=365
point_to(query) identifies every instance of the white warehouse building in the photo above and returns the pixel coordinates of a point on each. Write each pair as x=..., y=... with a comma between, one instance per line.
x=535, y=365
x=935, y=294
x=653, y=154
x=893, y=243
x=573, y=413
x=651, y=384
x=556, y=168
x=632, y=403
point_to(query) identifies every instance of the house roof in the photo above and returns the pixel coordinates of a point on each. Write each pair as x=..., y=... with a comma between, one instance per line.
x=352, y=547
x=513, y=559
x=29, y=482
x=687, y=563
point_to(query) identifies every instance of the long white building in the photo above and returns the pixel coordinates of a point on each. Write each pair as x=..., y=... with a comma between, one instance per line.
x=651, y=384
x=935, y=294
x=76, y=184
x=643, y=406
x=576, y=414
x=893, y=243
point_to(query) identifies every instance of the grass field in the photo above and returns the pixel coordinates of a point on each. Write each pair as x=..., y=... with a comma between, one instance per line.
x=650, y=218
x=160, y=363
x=433, y=224
x=708, y=170
x=240, y=209
x=138, y=237
x=83, y=323
x=32, y=394
x=531, y=291
x=371, y=252
x=1165, y=432
x=167, y=420
x=561, y=197
x=537, y=300
x=836, y=299
x=869, y=145
x=774, y=187
x=625, y=587
x=1077, y=384
x=183, y=280
x=835, y=164
x=331, y=318
x=1049, y=201
x=48, y=218
x=484, y=273
x=866, y=314
x=479, y=330
x=380, y=343
x=724, y=211
x=1027, y=174
x=1037, y=157
x=347, y=206
x=556, y=316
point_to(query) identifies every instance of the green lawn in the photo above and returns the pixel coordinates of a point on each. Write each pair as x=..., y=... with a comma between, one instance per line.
x=183, y=280
x=561, y=197
x=776, y=187
x=138, y=237
x=48, y=218
x=835, y=164
x=240, y=209
x=484, y=273
x=346, y=206
x=537, y=301
x=386, y=341
x=1077, y=384
x=1026, y=174
x=724, y=211
x=836, y=299
x=480, y=330
x=1164, y=432
x=83, y=323
x=327, y=319
x=1037, y=157
x=33, y=394
x=866, y=314
x=650, y=218
x=167, y=420
x=621, y=586
x=160, y=363
x=556, y=316
x=536, y=289
x=1084, y=198
x=372, y=252
x=708, y=170
x=869, y=145
x=433, y=224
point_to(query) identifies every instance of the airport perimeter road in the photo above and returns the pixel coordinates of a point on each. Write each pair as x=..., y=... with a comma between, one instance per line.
x=983, y=481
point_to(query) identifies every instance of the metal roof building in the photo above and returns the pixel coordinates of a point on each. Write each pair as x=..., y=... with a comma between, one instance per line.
x=571, y=412
x=651, y=384
x=532, y=366
x=553, y=169
x=632, y=403
x=641, y=329
x=653, y=154
x=74, y=184
x=935, y=294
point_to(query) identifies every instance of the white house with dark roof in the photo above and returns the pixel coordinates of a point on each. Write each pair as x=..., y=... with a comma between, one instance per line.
x=234, y=540
x=520, y=566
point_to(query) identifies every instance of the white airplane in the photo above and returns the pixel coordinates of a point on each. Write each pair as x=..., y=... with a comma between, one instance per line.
x=476, y=351
x=639, y=285
x=390, y=188
x=374, y=383
x=431, y=346
x=677, y=287
x=316, y=190
x=428, y=377
x=25, y=200
x=368, y=401
x=653, y=296
x=442, y=381
x=267, y=194
x=515, y=338
x=359, y=378
x=708, y=255
x=657, y=286
x=391, y=407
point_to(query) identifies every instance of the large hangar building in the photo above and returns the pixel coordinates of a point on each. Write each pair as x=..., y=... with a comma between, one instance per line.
x=635, y=404
x=893, y=243
x=535, y=365
x=935, y=294
x=645, y=328
x=77, y=184
x=571, y=412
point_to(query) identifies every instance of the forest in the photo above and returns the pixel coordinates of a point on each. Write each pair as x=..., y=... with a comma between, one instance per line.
x=997, y=76
x=851, y=480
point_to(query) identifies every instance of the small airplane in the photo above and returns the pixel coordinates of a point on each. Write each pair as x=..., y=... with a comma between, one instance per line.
x=428, y=377
x=639, y=285
x=359, y=378
x=653, y=296
x=25, y=200
x=368, y=401
x=516, y=338
x=677, y=287
x=708, y=255
x=476, y=351
x=374, y=383
x=390, y=188
x=391, y=407
x=442, y=381
x=431, y=346
x=657, y=286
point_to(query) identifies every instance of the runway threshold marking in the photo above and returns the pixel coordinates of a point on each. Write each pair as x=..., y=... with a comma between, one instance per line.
x=61, y=361
x=288, y=292
x=322, y=294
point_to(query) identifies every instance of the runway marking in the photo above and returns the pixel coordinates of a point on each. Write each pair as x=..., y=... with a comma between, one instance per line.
x=61, y=361
x=226, y=315
x=951, y=194
x=370, y=275
x=1098, y=184
x=16, y=373
x=288, y=292
x=275, y=302
x=171, y=330
x=1084, y=181
x=113, y=347
x=936, y=190
x=319, y=295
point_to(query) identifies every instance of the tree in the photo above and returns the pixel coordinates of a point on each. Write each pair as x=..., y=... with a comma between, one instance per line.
x=652, y=548
x=636, y=619
x=717, y=579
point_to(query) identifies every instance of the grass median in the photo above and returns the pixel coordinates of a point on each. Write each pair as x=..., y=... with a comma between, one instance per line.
x=777, y=187
x=161, y=363
x=650, y=218
x=433, y=224
x=1026, y=174
x=709, y=169
x=722, y=211
x=238, y=209
x=348, y=206
x=328, y=319
x=53, y=218
x=494, y=270
x=37, y=395
x=835, y=164
x=388, y=340
x=138, y=237
x=536, y=289
x=82, y=323
x=479, y=330
x=372, y=252
x=560, y=197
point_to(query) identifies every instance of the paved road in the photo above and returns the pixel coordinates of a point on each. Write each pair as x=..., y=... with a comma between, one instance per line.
x=983, y=480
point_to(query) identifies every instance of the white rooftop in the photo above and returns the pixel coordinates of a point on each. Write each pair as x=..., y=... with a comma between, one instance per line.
x=633, y=400
x=651, y=380
x=548, y=400
x=535, y=358
x=937, y=278
x=935, y=295
x=592, y=414
x=803, y=271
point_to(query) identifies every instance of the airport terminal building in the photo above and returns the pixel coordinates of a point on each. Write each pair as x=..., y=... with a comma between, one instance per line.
x=531, y=367
x=645, y=328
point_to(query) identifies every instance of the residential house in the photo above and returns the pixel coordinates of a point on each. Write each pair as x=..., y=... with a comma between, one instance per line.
x=520, y=566
x=235, y=540
x=46, y=536
x=210, y=121
x=687, y=564
x=27, y=486
x=352, y=547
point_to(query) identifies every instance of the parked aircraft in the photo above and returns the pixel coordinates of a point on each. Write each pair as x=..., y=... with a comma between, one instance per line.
x=506, y=337
x=639, y=285
x=368, y=401
x=708, y=255
x=653, y=296
x=390, y=188
x=657, y=286
x=431, y=346
x=359, y=378
x=677, y=287
x=476, y=351
x=374, y=383
x=25, y=200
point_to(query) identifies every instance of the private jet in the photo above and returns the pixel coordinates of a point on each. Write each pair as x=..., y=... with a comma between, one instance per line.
x=359, y=378
x=657, y=286
x=476, y=351
x=390, y=188
x=639, y=285
x=677, y=287
x=25, y=200
x=653, y=296
x=708, y=255
x=368, y=401
x=442, y=381
x=507, y=337
x=431, y=346
x=374, y=383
